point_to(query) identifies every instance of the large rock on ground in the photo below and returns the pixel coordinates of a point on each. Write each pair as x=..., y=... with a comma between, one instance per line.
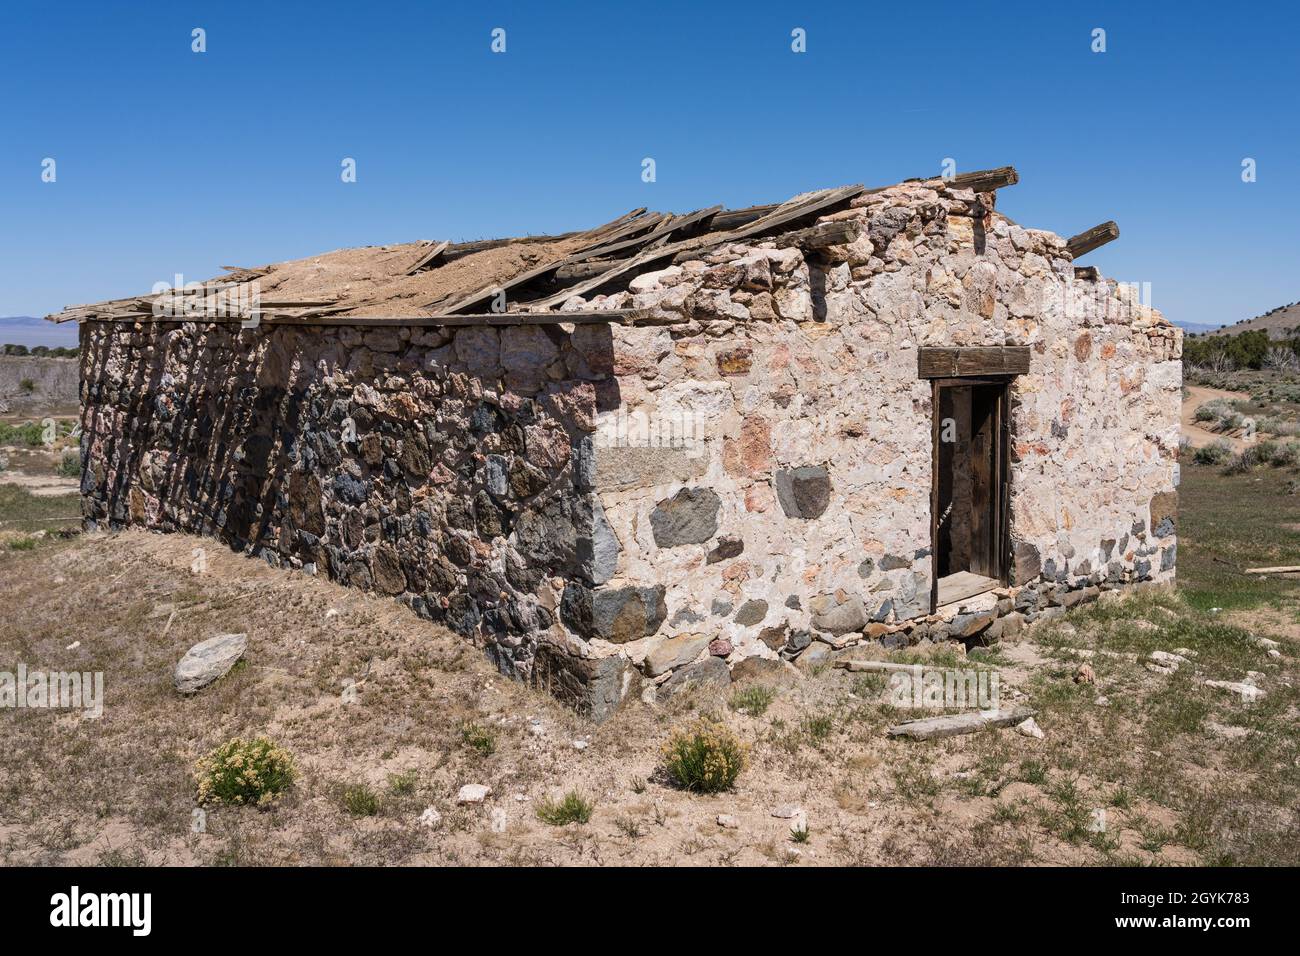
x=208, y=661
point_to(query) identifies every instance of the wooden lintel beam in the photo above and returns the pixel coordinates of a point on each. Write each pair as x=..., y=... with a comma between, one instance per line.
x=1093, y=238
x=972, y=361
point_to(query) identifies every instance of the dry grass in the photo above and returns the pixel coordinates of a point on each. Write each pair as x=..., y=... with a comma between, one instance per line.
x=429, y=714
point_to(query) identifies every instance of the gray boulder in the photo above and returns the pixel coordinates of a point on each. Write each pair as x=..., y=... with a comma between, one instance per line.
x=208, y=661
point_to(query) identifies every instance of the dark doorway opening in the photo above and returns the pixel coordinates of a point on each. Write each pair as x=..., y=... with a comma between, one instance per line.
x=969, y=521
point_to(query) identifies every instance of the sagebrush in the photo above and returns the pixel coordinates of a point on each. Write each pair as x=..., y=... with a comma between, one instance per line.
x=705, y=756
x=242, y=772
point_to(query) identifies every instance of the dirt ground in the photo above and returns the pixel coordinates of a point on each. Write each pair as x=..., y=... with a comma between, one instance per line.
x=1195, y=432
x=1136, y=768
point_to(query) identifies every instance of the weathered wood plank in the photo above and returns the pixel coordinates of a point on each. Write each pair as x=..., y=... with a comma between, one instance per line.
x=635, y=316
x=975, y=360
x=427, y=258
x=931, y=728
x=822, y=235
x=986, y=180
x=1091, y=239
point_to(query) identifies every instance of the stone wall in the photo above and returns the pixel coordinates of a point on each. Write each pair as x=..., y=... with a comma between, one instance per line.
x=452, y=469
x=765, y=487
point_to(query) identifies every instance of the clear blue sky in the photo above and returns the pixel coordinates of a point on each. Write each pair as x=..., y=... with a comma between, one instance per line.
x=171, y=162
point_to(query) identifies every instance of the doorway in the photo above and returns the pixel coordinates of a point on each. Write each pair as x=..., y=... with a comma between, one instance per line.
x=969, y=500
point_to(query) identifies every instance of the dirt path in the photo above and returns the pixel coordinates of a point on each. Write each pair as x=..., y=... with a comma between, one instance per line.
x=1198, y=395
x=43, y=486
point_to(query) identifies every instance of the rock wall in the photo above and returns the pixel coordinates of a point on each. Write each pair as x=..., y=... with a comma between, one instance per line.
x=764, y=488
x=450, y=468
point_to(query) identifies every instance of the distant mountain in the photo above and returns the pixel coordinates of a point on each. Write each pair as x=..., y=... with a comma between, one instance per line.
x=1280, y=323
x=1196, y=328
x=29, y=330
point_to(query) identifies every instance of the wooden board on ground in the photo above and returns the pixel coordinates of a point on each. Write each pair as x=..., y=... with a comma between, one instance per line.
x=931, y=728
x=964, y=584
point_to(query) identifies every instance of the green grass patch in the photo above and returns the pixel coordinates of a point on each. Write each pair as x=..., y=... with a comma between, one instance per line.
x=753, y=701
x=1228, y=523
x=360, y=801
x=20, y=510
x=482, y=740
x=573, y=807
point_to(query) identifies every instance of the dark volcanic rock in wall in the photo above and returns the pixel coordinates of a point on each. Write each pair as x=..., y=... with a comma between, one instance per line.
x=387, y=570
x=490, y=520
x=617, y=615
x=1027, y=564
x=751, y=613
x=305, y=502
x=549, y=534
x=593, y=687
x=350, y=490
x=804, y=492
x=688, y=517
x=729, y=546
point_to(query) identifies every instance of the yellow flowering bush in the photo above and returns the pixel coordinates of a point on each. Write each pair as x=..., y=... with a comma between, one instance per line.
x=245, y=773
x=704, y=756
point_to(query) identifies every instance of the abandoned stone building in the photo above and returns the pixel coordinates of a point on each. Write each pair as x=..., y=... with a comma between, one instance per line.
x=670, y=449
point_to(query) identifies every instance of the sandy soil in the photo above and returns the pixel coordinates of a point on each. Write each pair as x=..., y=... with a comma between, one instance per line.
x=120, y=788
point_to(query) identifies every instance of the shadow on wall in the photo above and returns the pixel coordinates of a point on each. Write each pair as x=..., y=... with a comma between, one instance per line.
x=393, y=460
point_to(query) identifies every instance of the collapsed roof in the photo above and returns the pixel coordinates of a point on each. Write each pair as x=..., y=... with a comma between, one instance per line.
x=497, y=279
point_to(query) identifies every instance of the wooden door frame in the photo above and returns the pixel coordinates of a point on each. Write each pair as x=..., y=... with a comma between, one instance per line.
x=1001, y=473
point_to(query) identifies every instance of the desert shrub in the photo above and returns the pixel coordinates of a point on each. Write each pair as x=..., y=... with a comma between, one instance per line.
x=753, y=701
x=245, y=773
x=1243, y=461
x=572, y=808
x=403, y=784
x=479, y=738
x=1208, y=411
x=28, y=433
x=1281, y=427
x=1285, y=454
x=360, y=801
x=69, y=465
x=22, y=544
x=27, y=385
x=704, y=756
x=1215, y=453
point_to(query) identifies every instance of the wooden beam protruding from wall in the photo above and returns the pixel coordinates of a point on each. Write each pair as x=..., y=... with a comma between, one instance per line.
x=1093, y=238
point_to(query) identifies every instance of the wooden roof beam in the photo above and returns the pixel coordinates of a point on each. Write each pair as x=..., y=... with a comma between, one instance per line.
x=1091, y=239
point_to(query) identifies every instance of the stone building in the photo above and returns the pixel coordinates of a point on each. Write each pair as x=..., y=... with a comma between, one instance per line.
x=671, y=447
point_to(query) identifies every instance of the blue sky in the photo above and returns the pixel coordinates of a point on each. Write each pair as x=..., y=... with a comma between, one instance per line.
x=169, y=161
